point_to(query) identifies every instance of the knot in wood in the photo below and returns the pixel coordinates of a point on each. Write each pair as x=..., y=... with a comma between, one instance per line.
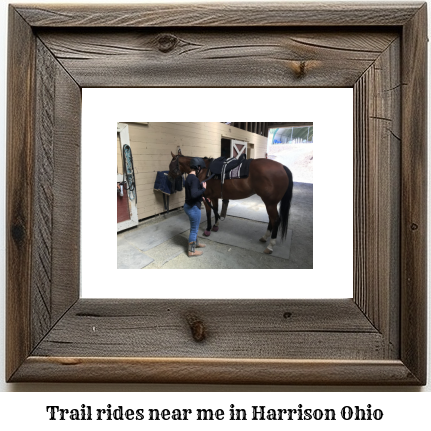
x=300, y=69
x=18, y=233
x=197, y=327
x=414, y=226
x=167, y=42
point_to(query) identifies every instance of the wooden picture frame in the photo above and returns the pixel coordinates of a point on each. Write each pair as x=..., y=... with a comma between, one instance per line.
x=378, y=337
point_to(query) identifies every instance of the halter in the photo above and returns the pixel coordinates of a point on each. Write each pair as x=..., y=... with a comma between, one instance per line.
x=177, y=170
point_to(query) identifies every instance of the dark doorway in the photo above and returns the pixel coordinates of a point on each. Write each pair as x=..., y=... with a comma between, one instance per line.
x=225, y=147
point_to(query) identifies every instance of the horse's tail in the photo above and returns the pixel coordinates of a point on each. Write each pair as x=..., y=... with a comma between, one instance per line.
x=285, y=204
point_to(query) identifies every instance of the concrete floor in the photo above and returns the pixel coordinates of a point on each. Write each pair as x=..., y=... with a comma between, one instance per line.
x=161, y=242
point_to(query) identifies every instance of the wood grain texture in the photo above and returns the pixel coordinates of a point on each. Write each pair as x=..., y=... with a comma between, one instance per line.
x=19, y=200
x=269, y=329
x=221, y=15
x=67, y=194
x=217, y=58
x=377, y=182
x=55, y=266
x=52, y=336
x=215, y=371
x=413, y=193
x=44, y=195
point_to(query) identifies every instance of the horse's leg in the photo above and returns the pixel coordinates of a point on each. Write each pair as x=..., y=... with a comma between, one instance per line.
x=274, y=220
x=214, y=203
x=267, y=233
x=224, y=209
x=207, y=231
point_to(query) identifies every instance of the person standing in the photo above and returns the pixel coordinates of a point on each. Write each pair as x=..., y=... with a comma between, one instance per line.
x=192, y=206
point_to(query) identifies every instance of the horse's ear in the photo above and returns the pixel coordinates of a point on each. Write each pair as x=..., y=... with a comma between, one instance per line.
x=172, y=154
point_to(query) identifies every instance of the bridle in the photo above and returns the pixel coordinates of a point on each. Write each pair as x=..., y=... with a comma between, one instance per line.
x=177, y=170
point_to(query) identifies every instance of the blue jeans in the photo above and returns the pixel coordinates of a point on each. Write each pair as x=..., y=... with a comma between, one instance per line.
x=194, y=214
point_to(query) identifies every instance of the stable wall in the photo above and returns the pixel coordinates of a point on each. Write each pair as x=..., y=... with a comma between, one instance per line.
x=152, y=144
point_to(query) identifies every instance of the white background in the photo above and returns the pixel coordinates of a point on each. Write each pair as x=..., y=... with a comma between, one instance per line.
x=330, y=110
x=405, y=409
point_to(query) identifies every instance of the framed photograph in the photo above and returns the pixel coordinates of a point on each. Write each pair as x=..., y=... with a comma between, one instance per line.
x=377, y=337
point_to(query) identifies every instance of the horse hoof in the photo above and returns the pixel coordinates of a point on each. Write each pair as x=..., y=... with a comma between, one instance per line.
x=215, y=229
x=268, y=251
x=207, y=233
x=262, y=239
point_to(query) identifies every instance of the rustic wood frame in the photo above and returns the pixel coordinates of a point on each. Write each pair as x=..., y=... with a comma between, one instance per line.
x=379, y=337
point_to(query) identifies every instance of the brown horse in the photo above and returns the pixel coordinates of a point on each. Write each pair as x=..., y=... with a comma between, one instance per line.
x=267, y=178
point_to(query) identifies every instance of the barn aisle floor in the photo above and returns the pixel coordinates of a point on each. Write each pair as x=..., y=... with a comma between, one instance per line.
x=162, y=241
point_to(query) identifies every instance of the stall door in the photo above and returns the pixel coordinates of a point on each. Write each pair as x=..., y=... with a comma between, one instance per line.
x=238, y=148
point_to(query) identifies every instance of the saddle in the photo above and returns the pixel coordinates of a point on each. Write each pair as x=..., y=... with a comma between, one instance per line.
x=229, y=168
x=223, y=165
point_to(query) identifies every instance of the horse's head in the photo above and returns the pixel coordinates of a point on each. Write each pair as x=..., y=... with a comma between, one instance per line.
x=174, y=166
x=179, y=165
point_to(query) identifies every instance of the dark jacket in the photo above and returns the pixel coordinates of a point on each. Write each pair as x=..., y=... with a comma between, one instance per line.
x=194, y=191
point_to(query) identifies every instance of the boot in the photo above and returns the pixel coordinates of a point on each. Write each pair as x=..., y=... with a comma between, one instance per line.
x=198, y=244
x=192, y=250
